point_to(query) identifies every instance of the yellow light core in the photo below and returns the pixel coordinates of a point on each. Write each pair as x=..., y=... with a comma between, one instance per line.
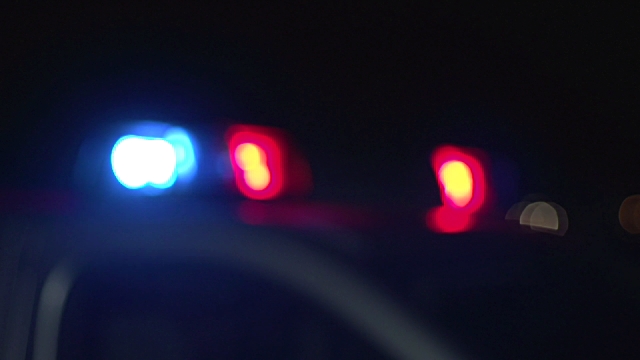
x=252, y=159
x=457, y=180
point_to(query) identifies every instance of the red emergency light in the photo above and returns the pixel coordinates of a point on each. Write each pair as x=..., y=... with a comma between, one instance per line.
x=265, y=164
x=463, y=188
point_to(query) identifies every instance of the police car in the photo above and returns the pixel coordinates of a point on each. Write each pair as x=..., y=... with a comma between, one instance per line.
x=380, y=183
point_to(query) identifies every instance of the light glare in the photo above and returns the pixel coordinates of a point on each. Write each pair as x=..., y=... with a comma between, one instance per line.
x=541, y=216
x=457, y=180
x=138, y=161
x=249, y=156
x=629, y=214
x=186, y=164
x=258, y=179
x=460, y=175
x=252, y=160
x=444, y=219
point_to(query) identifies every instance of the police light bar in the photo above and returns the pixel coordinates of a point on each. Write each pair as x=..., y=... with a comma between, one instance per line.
x=265, y=163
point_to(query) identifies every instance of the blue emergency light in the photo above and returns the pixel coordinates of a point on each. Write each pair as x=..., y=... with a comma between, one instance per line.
x=140, y=161
x=148, y=161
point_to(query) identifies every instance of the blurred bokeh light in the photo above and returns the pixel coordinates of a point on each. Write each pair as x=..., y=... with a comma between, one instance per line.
x=266, y=164
x=444, y=219
x=457, y=180
x=138, y=161
x=463, y=188
x=253, y=161
x=540, y=216
x=629, y=214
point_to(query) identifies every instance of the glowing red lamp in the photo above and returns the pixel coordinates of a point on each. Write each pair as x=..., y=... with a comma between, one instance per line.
x=265, y=164
x=461, y=178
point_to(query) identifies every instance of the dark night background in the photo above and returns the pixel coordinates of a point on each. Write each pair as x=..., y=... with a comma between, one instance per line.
x=367, y=90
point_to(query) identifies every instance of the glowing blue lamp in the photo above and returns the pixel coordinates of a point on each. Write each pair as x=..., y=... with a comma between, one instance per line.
x=142, y=161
